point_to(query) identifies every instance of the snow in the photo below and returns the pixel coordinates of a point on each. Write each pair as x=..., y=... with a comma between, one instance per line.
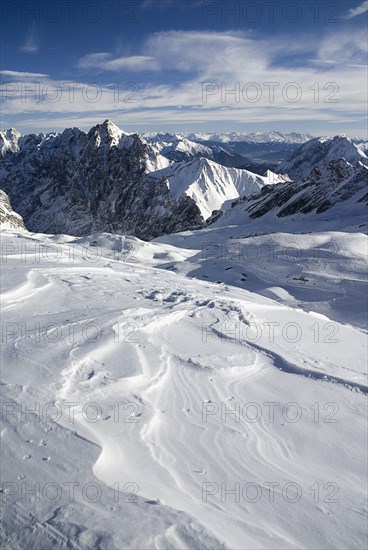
x=136, y=329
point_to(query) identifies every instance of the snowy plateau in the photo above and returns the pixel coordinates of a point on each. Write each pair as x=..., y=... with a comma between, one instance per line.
x=184, y=341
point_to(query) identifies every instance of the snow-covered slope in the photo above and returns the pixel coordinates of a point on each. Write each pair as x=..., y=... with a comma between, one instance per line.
x=302, y=265
x=319, y=150
x=184, y=413
x=211, y=185
x=8, y=218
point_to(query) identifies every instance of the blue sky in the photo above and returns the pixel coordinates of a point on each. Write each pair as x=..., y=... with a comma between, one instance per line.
x=172, y=65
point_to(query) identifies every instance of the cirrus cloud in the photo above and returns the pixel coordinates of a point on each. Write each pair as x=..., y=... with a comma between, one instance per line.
x=359, y=10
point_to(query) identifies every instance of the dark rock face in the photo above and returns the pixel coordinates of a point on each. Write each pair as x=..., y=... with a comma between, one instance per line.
x=78, y=183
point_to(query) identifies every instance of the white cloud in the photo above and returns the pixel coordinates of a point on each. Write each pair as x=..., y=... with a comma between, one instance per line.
x=206, y=53
x=106, y=62
x=22, y=74
x=359, y=10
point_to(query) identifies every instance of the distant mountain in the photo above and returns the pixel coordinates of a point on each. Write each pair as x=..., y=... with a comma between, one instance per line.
x=257, y=137
x=176, y=148
x=316, y=152
x=8, y=218
x=256, y=152
x=211, y=185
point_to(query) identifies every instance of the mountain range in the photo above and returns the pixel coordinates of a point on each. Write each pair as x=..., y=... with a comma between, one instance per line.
x=79, y=183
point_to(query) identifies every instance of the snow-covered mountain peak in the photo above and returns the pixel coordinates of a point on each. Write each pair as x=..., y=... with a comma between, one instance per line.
x=111, y=135
x=211, y=185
